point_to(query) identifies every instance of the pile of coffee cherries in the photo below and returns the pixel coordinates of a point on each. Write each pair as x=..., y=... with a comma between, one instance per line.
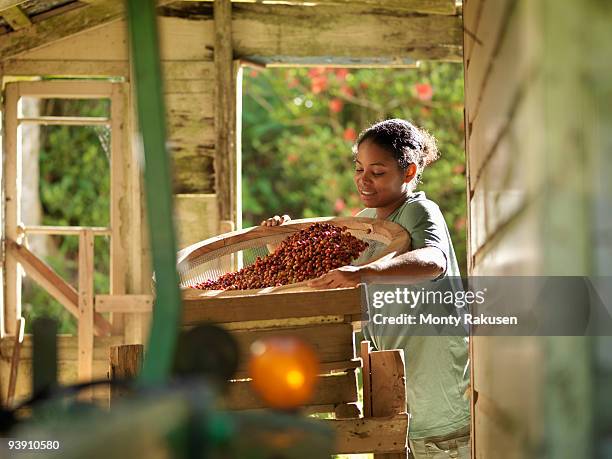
x=307, y=254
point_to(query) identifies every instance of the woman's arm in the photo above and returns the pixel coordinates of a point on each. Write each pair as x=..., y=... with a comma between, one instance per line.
x=416, y=265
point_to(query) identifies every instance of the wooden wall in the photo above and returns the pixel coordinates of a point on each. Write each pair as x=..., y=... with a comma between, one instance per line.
x=536, y=143
x=189, y=96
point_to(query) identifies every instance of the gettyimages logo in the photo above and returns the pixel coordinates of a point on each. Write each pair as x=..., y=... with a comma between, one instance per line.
x=520, y=306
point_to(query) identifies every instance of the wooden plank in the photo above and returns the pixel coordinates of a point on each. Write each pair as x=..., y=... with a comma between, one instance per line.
x=471, y=19
x=86, y=305
x=196, y=217
x=366, y=375
x=67, y=348
x=57, y=287
x=175, y=69
x=64, y=230
x=330, y=390
x=176, y=33
x=512, y=80
x=107, y=42
x=118, y=190
x=66, y=89
x=65, y=68
x=225, y=110
x=417, y=6
x=388, y=383
x=66, y=121
x=125, y=362
x=193, y=171
x=198, y=308
x=172, y=69
x=492, y=26
x=267, y=31
x=12, y=199
x=188, y=86
x=16, y=18
x=332, y=343
x=124, y=303
x=366, y=435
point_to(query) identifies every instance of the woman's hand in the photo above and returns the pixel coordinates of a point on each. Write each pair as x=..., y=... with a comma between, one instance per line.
x=276, y=220
x=346, y=276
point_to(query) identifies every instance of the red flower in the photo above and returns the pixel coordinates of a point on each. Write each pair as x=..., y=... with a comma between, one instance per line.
x=335, y=105
x=292, y=158
x=315, y=72
x=254, y=73
x=318, y=84
x=459, y=169
x=341, y=74
x=293, y=82
x=339, y=205
x=350, y=135
x=424, y=91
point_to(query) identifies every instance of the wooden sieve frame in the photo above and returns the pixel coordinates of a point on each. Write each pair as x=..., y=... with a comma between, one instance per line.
x=394, y=236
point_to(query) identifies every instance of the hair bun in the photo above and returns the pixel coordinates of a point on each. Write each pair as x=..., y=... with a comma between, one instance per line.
x=429, y=150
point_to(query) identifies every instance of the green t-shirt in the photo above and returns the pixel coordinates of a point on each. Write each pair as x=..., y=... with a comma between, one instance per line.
x=437, y=367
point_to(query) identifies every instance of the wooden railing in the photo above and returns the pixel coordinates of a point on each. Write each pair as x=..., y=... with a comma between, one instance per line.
x=82, y=303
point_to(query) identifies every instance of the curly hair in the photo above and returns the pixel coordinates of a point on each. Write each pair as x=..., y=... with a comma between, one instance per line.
x=407, y=143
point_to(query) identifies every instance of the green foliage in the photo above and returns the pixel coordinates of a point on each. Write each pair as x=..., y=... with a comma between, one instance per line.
x=299, y=126
x=74, y=191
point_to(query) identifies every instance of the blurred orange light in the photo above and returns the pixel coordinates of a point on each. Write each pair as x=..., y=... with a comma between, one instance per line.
x=284, y=371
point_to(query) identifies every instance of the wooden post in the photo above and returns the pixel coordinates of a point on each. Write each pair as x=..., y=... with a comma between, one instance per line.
x=86, y=305
x=118, y=191
x=366, y=379
x=125, y=363
x=225, y=112
x=12, y=195
x=388, y=386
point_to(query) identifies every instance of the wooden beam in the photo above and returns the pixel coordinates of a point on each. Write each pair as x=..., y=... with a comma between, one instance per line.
x=416, y=6
x=124, y=303
x=366, y=379
x=95, y=13
x=86, y=305
x=57, y=287
x=198, y=308
x=367, y=435
x=330, y=390
x=225, y=110
x=12, y=200
x=16, y=18
x=276, y=33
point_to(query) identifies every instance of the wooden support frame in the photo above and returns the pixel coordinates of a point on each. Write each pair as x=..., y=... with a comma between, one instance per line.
x=57, y=287
x=416, y=6
x=120, y=218
x=12, y=199
x=86, y=305
x=225, y=113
